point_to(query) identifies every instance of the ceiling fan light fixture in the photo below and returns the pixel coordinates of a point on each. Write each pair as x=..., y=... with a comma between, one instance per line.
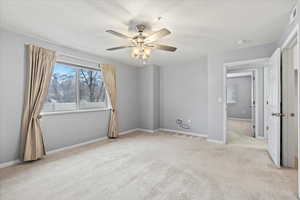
x=145, y=56
x=134, y=55
x=147, y=51
x=136, y=50
x=142, y=44
x=141, y=53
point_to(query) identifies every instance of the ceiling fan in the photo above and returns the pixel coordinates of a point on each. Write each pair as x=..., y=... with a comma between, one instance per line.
x=142, y=44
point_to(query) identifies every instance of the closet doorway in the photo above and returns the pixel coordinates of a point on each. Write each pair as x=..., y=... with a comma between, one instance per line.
x=242, y=96
x=244, y=113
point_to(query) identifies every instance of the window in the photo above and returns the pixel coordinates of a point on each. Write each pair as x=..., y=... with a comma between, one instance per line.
x=75, y=88
x=92, y=91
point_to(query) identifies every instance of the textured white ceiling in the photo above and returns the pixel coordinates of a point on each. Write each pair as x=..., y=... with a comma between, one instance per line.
x=198, y=26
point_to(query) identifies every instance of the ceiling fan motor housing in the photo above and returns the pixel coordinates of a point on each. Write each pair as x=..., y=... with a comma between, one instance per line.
x=140, y=27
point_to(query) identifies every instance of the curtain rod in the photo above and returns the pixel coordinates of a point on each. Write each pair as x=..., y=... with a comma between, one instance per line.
x=58, y=53
x=77, y=57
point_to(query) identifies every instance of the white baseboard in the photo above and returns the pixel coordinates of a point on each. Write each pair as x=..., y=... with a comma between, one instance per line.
x=129, y=131
x=147, y=130
x=156, y=130
x=193, y=134
x=9, y=163
x=215, y=141
x=76, y=145
x=183, y=132
x=14, y=162
x=89, y=142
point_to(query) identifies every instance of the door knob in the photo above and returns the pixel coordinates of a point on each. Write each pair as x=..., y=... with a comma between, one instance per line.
x=278, y=114
x=292, y=114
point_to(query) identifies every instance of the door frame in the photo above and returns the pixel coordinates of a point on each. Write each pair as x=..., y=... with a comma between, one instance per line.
x=252, y=73
x=251, y=65
x=294, y=34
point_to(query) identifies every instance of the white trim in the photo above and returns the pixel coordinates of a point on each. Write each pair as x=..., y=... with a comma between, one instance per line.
x=238, y=74
x=77, y=65
x=231, y=65
x=183, y=132
x=239, y=119
x=224, y=105
x=88, y=142
x=9, y=163
x=146, y=130
x=290, y=37
x=248, y=62
x=298, y=71
x=74, y=111
x=129, y=131
x=76, y=145
x=60, y=58
x=14, y=162
x=257, y=122
x=215, y=141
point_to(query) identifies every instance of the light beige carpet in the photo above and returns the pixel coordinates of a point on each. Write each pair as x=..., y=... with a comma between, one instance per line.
x=143, y=166
x=238, y=133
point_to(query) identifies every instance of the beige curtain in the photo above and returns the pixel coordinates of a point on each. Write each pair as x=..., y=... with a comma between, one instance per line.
x=109, y=73
x=40, y=65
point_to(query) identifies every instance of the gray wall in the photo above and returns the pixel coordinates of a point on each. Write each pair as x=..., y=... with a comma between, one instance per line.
x=148, y=93
x=242, y=107
x=145, y=94
x=59, y=130
x=216, y=83
x=156, y=97
x=183, y=94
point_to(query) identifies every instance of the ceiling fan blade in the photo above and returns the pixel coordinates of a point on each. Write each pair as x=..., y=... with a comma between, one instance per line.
x=120, y=47
x=121, y=35
x=157, y=35
x=162, y=47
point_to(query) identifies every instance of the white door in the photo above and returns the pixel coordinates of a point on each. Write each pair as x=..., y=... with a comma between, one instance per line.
x=273, y=108
x=289, y=107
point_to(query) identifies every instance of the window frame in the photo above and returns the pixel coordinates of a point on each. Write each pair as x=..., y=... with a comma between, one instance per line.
x=77, y=68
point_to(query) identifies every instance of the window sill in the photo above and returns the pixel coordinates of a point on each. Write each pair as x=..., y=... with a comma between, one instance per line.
x=74, y=111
